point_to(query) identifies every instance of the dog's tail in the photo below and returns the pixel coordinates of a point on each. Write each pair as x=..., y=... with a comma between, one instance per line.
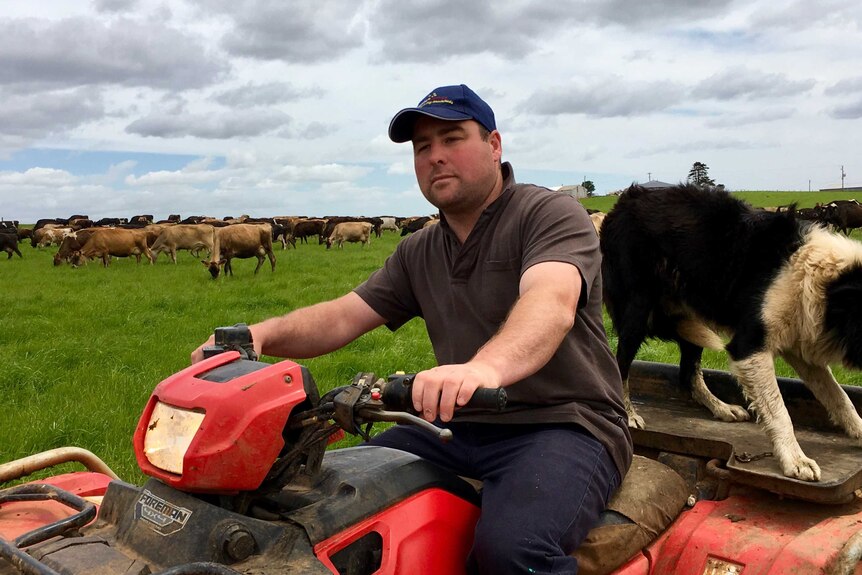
x=698, y=333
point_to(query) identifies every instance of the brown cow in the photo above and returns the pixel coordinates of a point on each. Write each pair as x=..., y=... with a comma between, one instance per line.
x=304, y=228
x=192, y=237
x=240, y=241
x=72, y=243
x=350, y=232
x=117, y=242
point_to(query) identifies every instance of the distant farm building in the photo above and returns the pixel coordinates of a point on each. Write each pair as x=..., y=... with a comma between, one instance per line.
x=655, y=185
x=577, y=191
x=650, y=185
x=845, y=189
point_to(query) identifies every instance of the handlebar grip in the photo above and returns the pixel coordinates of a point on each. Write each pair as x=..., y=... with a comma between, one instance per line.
x=397, y=396
x=490, y=398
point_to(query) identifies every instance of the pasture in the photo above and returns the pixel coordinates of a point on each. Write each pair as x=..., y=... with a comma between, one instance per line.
x=83, y=348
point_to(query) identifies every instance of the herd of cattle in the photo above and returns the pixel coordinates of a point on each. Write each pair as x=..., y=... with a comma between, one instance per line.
x=81, y=239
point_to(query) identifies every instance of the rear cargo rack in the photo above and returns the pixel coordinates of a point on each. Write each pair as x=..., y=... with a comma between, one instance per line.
x=675, y=423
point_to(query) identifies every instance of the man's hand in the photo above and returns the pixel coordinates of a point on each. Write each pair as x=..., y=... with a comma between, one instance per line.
x=445, y=387
x=198, y=354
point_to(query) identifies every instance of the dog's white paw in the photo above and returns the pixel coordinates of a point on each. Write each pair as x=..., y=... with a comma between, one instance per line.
x=635, y=420
x=732, y=413
x=801, y=467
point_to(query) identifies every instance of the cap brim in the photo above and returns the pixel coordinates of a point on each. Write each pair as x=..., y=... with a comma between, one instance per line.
x=401, y=126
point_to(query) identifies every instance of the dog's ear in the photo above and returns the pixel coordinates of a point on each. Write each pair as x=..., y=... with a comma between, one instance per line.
x=843, y=317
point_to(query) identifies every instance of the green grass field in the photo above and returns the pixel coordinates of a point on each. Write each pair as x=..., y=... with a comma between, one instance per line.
x=83, y=348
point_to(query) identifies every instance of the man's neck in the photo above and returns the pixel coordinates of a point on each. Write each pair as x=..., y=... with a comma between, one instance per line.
x=463, y=223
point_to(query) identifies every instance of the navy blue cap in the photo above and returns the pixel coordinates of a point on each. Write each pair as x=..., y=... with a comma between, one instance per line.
x=445, y=103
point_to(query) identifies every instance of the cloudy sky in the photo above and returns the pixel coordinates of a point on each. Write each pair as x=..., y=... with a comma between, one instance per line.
x=274, y=107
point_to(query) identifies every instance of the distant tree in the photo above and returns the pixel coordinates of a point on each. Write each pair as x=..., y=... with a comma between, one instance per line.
x=590, y=187
x=699, y=175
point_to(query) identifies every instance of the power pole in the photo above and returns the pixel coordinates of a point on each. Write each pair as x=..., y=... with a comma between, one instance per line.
x=649, y=176
x=843, y=175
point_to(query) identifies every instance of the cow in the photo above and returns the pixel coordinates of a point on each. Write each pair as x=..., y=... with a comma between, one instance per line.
x=113, y=242
x=192, y=237
x=80, y=223
x=281, y=234
x=388, y=223
x=141, y=219
x=597, y=218
x=110, y=222
x=350, y=232
x=240, y=241
x=9, y=243
x=305, y=228
x=685, y=265
x=331, y=222
x=844, y=215
x=414, y=225
x=47, y=236
x=172, y=219
x=73, y=242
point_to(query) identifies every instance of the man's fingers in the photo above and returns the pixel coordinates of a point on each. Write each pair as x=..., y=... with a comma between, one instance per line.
x=430, y=399
x=448, y=397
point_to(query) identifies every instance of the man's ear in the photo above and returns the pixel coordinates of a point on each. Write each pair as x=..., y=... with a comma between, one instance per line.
x=496, y=141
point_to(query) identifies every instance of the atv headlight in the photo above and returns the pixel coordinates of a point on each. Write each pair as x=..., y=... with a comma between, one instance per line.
x=169, y=433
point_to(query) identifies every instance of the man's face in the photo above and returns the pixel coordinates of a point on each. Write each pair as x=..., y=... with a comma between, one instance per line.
x=456, y=169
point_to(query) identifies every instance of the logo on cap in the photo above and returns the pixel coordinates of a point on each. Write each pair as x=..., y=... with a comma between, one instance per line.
x=433, y=98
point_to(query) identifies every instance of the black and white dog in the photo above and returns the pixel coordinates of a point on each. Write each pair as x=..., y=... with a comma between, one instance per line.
x=685, y=264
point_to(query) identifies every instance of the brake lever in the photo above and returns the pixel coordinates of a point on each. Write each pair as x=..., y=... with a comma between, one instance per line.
x=376, y=414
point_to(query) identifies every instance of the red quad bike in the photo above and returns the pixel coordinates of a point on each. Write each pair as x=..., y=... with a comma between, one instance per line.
x=241, y=483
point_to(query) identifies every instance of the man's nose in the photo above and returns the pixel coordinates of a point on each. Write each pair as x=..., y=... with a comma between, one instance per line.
x=437, y=154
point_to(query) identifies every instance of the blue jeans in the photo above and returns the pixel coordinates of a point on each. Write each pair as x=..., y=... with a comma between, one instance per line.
x=544, y=487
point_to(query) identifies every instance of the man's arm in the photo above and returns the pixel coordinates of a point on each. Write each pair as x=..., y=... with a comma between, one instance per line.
x=311, y=331
x=538, y=322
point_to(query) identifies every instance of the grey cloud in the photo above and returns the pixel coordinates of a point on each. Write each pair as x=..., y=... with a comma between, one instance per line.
x=122, y=51
x=430, y=31
x=804, y=14
x=115, y=6
x=605, y=100
x=434, y=30
x=270, y=94
x=652, y=12
x=738, y=120
x=32, y=118
x=845, y=86
x=210, y=126
x=737, y=83
x=301, y=31
x=850, y=111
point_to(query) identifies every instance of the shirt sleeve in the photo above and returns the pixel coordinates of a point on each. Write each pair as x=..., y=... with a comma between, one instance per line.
x=558, y=228
x=388, y=290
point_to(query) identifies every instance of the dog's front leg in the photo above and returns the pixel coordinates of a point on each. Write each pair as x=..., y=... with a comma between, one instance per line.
x=756, y=375
x=827, y=390
x=635, y=420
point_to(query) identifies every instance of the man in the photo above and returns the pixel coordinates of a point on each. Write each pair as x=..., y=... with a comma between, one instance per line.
x=509, y=286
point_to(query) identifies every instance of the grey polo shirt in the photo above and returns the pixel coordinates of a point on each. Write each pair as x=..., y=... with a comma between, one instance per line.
x=464, y=293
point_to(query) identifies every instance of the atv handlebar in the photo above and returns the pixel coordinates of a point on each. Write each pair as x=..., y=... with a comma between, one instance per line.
x=368, y=400
x=397, y=395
